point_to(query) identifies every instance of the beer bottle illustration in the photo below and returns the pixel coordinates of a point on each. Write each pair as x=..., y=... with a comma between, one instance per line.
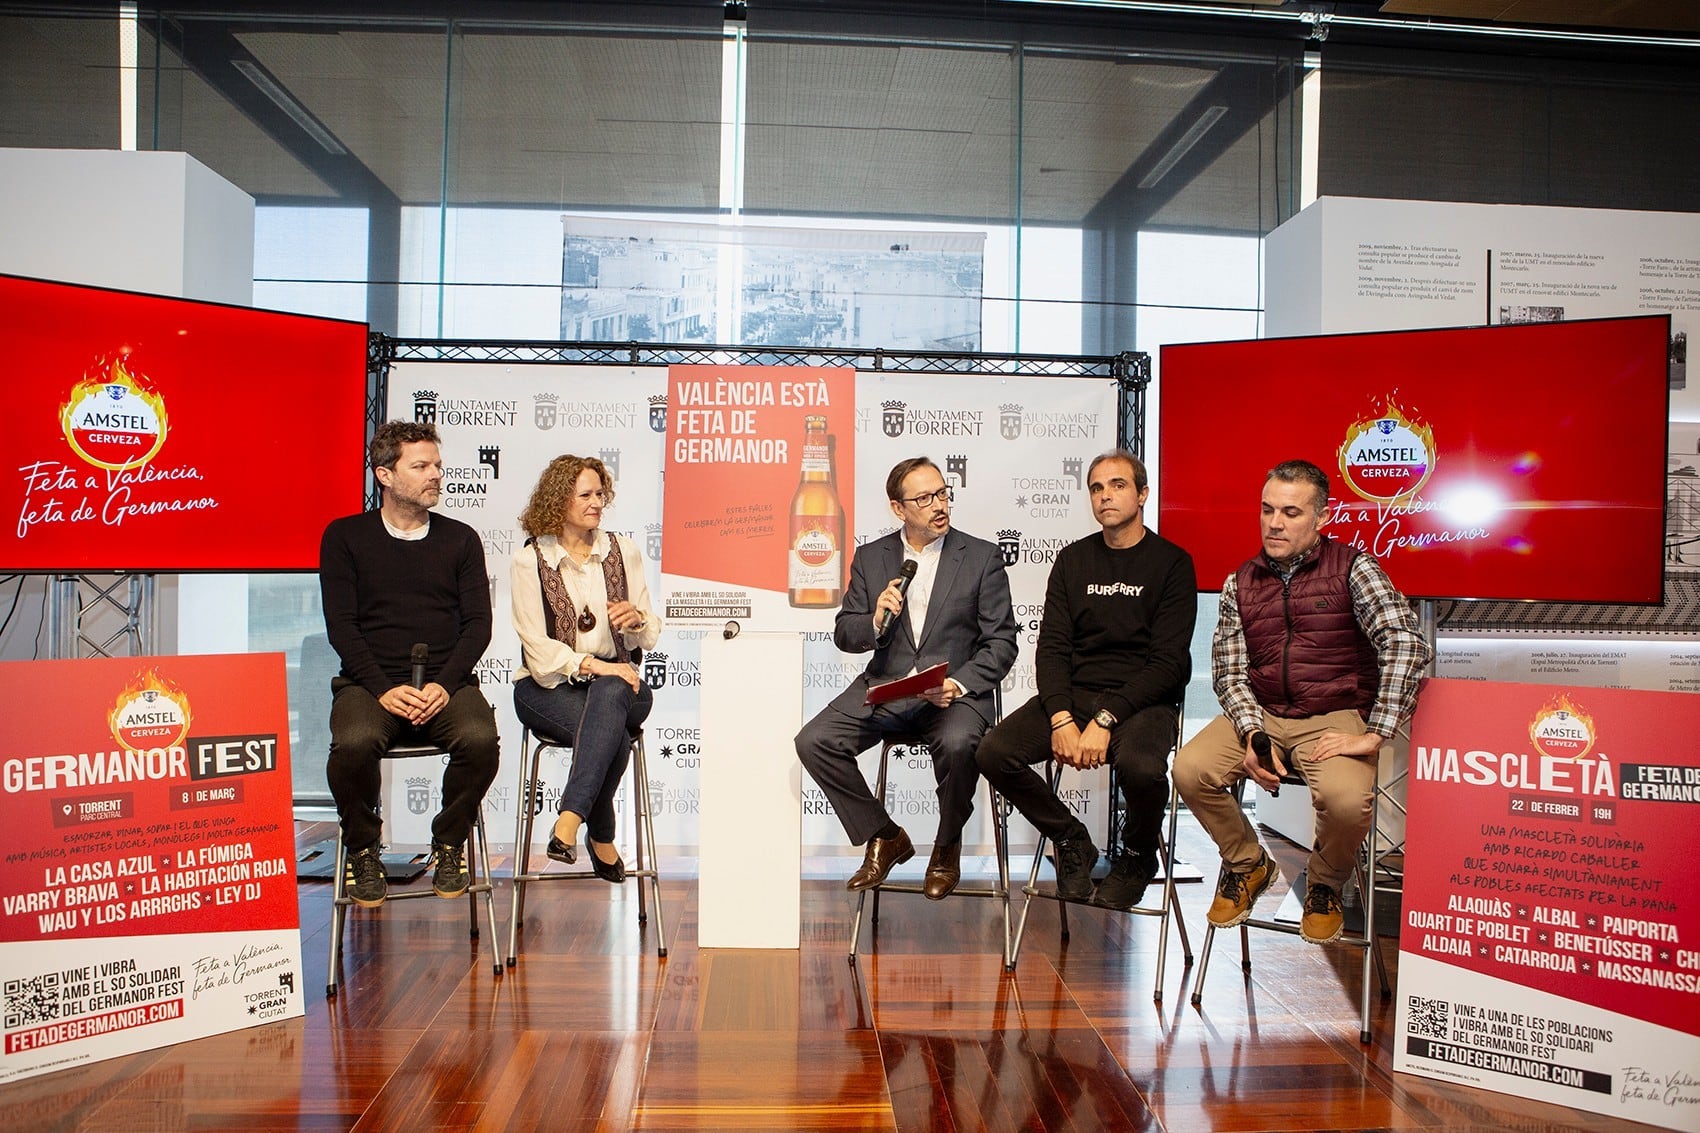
x=815, y=560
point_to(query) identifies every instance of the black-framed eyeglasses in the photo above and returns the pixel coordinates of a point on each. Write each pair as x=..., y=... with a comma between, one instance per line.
x=926, y=499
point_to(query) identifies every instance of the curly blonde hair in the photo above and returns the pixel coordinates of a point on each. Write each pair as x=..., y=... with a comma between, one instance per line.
x=543, y=515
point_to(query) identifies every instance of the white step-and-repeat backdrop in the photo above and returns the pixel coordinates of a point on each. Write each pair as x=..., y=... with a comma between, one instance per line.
x=1016, y=450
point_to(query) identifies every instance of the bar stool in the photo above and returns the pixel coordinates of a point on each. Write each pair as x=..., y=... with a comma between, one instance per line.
x=477, y=866
x=998, y=890
x=1364, y=877
x=1169, y=910
x=648, y=864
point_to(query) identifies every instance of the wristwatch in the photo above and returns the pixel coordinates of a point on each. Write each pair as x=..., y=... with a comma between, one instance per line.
x=1104, y=718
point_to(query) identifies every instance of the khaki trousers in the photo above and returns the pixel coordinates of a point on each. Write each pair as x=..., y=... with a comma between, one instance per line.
x=1342, y=790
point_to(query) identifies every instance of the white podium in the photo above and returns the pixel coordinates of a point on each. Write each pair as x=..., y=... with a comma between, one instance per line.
x=750, y=814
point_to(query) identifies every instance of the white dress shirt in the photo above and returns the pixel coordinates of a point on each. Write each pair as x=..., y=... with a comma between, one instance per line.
x=920, y=593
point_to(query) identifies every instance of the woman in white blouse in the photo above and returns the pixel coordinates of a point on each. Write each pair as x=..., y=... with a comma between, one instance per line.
x=582, y=611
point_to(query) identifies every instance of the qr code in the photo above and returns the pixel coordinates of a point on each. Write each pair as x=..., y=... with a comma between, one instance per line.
x=1426, y=1017
x=35, y=1000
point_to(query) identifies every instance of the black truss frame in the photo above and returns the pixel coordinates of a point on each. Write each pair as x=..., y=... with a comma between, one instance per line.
x=1130, y=369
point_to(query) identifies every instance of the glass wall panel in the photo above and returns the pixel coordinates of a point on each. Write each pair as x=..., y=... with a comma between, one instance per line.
x=1503, y=129
x=311, y=260
x=59, y=81
x=909, y=134
x=546, y=121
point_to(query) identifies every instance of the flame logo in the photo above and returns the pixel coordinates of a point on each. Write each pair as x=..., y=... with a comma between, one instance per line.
x=1562, y=730
x=1388, y=456
x=114, y=419
x=150, y=711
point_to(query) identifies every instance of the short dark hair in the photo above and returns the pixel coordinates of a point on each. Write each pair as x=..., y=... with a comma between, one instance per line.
x=1139, y=476
x=1302, y=472
x=385, y=448
x=900, y=472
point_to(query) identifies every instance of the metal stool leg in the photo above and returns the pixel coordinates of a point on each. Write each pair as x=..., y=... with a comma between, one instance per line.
x=997, y=890
x=1027, y=905
x=1171, y=901
x=1368, y=943
x=339, y=909
x=530, y=798
x=480, y=879
x=1000, y=845
x=489, y=889
x=646, y=864
x=641, y=851
x=645, y=823
x=862, y=897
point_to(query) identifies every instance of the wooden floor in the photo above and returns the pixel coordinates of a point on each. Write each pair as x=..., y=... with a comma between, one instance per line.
x=592, y=1032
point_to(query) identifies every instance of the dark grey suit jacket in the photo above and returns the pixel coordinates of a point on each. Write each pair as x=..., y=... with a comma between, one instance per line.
x=970, y=622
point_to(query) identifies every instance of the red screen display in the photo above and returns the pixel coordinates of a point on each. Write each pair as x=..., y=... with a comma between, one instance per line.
x=155, y=434
x=1512, y=462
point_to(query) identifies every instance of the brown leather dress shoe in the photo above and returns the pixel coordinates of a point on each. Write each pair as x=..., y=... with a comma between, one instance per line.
x=944, y=870
x=883, y=854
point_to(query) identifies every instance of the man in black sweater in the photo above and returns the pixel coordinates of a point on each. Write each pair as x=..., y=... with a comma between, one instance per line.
x=394, y=580
x=1113, y=660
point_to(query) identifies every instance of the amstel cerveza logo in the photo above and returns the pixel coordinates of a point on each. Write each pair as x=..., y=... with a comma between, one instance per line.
x=1562, y=730
x=1387, y=457
x=113, y=419
x=150, y=712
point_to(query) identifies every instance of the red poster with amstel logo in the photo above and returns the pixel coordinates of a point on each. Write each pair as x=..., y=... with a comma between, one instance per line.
x=145, y=431
x=1465, y=459
x=759, y=503
x=1550, y=943
x=147, y=888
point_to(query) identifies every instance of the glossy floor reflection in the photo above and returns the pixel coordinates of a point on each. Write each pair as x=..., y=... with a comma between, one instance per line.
x=591, y=1031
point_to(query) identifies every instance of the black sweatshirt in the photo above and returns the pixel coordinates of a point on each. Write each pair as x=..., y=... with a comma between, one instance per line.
x=382, y=594
x=1118, y=626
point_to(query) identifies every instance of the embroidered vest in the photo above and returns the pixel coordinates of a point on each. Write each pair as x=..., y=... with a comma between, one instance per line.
x=560, y=616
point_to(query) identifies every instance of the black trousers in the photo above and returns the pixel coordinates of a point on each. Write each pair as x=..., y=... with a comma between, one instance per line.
x=1139, y=755
x=362, y=730
x=829, y=744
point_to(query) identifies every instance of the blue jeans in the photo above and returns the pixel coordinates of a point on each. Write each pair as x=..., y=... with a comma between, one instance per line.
x=599, y=720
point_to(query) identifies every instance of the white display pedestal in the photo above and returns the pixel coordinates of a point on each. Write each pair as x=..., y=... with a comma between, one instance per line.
x=152, y=221
x=750, y=820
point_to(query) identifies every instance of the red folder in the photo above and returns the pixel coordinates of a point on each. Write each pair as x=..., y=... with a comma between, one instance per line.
x=912, y=685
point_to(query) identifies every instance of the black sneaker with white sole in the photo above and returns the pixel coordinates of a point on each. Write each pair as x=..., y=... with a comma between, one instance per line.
x=363, y=880
x=449, y=877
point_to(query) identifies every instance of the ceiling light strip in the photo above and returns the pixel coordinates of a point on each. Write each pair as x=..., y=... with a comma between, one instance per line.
x=1159, y=8
x=272, y=89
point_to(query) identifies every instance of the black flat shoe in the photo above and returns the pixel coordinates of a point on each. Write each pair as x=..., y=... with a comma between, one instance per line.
x=613, y=872
x=559, y=851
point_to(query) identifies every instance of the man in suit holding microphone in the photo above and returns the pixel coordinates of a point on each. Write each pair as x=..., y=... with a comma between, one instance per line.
x=924, y=595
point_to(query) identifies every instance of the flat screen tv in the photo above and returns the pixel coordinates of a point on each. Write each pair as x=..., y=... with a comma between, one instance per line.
x=148, y=433
x=1507, y=462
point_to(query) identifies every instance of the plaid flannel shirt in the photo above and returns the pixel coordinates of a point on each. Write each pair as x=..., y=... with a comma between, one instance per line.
x=1385, y=617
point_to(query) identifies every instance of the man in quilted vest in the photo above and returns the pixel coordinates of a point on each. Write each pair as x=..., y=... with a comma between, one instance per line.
x=1315, y=660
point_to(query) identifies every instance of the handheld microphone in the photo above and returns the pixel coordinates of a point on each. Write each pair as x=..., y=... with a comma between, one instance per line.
x=421, y=654
x=905, y=577
x=1265, y=756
